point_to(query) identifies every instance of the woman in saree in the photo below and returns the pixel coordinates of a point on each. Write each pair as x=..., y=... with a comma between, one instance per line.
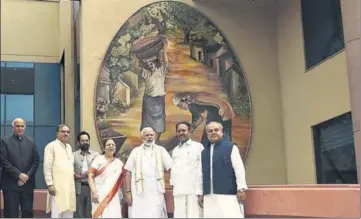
x=105, y=180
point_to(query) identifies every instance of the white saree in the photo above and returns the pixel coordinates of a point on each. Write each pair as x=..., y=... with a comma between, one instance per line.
x=107, y=180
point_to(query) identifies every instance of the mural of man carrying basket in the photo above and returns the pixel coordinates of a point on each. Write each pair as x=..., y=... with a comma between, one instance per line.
x=151, y=52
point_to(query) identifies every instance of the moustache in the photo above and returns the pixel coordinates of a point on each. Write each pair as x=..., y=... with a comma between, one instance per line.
x=84, y=146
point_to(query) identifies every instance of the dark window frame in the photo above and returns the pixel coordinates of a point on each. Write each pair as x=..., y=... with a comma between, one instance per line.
x=306, y=7
x=319, y=152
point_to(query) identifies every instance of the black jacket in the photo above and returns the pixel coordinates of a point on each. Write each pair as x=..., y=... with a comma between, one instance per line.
x=18, y=155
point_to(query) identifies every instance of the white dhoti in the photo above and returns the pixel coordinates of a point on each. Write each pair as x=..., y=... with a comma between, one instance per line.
x=222, y=206
x=56, y=214
x=147, y=164
x=186, y=206
x=151, y=205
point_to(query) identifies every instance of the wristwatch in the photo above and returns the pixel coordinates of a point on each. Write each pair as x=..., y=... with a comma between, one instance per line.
x=241, y=190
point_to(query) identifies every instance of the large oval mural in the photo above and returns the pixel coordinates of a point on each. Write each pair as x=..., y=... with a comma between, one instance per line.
x=169, y=63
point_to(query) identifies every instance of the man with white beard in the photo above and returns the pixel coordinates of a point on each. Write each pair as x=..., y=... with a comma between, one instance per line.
x=223, y=176
x=144, y=187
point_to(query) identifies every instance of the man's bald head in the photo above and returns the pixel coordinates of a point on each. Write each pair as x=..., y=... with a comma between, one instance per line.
x=214, y=132
x=214, y=124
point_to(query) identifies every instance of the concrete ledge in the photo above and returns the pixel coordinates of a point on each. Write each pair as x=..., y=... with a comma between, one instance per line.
x=282, y=201
x=312, y=201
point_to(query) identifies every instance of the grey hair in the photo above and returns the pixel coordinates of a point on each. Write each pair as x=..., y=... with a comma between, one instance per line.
x=146, y=129
x=61, y=126
x=214, y=122
x=17, y=119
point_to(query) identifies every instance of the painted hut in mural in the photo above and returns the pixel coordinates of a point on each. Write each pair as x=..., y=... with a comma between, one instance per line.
x=210, y=55
x=132, y=80
x=197, y=50
x=103, y=89
x=121, y=93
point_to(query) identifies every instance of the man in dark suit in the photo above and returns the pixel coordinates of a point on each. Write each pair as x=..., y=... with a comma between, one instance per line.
x=19, y=159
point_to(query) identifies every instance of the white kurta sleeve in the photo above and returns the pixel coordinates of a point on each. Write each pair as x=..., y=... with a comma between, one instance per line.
x=167, y=160
x=171, y=180
x=199, y=182
x=70, y=153
x=129, y=165
x=238, y=167
x=48, y=164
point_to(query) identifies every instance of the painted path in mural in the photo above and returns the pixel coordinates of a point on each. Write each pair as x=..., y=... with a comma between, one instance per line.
x=185, y=74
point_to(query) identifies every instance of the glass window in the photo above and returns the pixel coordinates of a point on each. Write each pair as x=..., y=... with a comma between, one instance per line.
x=322, y=30
x=2, y=131
x=335, y=151
x=47, y=94
x=31, y=92
x=20, y=64
x=19, y=106
x=29, y=131
x=44, y=135
x=39, y=177
x=17, y=80
x=2, y=108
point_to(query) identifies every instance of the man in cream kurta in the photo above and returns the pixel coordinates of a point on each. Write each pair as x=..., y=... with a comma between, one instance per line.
x=225, y=192
x=145, y=186
x=59, y=175
x=185, y=174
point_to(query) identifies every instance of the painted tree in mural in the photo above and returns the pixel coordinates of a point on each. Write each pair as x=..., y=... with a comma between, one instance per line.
x=186, y=19
x=241, y=103
x=190, y=21
x=208, y=33
x=159, y=18
x=158, y=15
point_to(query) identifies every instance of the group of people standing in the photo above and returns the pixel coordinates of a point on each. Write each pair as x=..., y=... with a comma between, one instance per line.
x=208, y=180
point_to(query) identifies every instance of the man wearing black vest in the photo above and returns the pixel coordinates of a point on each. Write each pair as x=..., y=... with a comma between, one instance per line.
x=19, y=159
x=223, y=176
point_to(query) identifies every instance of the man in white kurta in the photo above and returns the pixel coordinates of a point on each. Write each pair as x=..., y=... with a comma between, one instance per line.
x=59, y=175
x=185, y=174
x=217, y=205
x=144, y=185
